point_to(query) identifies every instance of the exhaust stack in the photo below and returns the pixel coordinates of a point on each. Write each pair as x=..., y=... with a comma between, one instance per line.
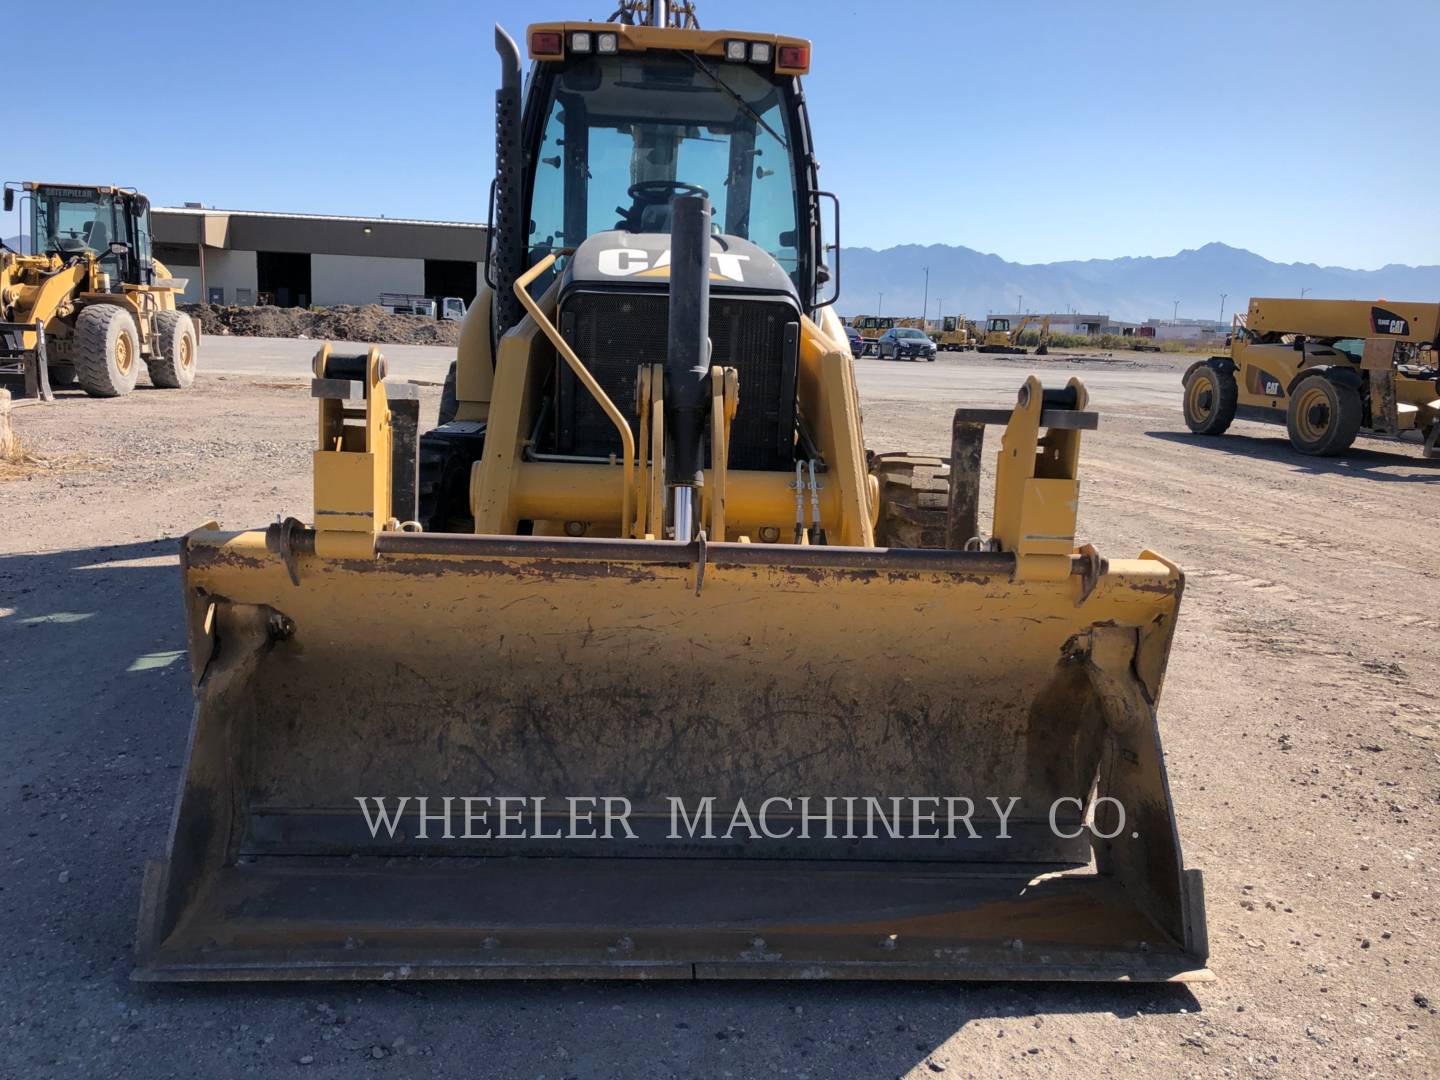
x=687, y=358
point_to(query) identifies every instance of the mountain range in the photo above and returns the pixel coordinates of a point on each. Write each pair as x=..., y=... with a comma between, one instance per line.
x=1129, y=289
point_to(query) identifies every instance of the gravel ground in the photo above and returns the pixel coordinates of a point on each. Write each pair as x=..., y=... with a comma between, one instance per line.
x=1300, y=725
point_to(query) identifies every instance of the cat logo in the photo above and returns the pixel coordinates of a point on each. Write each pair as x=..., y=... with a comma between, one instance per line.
x=1269, y=386
x=633, y=262
x=1387, y=322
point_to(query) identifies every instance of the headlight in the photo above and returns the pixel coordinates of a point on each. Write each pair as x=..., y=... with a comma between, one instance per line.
x=735, y=50
x=760, y=52
x=608, y=43
x=580, y=41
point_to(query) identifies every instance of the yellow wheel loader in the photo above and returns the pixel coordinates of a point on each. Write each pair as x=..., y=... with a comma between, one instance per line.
x=90, y=303
x=1001, y=337
x=641, y=691
x=1327, y=370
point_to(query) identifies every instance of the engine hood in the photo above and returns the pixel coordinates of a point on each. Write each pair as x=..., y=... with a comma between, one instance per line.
x=617, y=258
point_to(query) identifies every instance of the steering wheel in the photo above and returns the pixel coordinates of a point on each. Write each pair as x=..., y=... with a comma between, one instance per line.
x=648, y=189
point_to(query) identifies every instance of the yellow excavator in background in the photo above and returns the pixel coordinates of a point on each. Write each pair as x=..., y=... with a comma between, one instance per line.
x=1001, y=337
x=91, y=303
x=626, y=671
x=955, y=334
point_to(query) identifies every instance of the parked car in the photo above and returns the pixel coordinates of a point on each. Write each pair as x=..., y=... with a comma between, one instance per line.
x=857, y=343
x=906, y=343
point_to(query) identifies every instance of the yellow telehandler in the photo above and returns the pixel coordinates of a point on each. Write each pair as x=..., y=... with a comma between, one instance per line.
x=1327, y=370
x=622, y=672
x=90, y=303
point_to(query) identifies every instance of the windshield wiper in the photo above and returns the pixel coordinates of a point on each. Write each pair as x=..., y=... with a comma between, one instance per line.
x=723, y=85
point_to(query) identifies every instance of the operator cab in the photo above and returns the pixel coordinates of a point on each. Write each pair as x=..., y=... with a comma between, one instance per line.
x=617, y=136
x=110, y=224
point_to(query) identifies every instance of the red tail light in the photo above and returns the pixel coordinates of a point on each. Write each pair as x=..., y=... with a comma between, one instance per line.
x=794, y=56
x=546, y=43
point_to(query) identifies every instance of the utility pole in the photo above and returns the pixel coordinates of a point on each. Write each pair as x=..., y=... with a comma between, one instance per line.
x=940, y=309
x=1176, y=313
x=880, y=307
x=1302, y=293
x=1222, y=308
x=1020, y=304
x=925, y=304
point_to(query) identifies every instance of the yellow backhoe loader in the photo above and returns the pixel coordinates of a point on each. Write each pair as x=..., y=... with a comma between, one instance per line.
x=1001, y=337
x=90, y=303
x=1327, y=370
x=631, y=676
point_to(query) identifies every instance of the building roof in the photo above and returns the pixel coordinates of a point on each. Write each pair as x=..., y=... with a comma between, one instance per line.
x=318, y=234
x=200, y=211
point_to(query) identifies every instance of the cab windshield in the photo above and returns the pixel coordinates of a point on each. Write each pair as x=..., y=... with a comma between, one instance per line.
x=624, y=134
x=73, y=221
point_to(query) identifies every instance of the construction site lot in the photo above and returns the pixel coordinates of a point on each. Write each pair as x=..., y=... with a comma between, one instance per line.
x=1301, y=726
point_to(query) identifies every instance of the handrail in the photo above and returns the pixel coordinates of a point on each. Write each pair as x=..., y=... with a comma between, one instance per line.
x=627, y=437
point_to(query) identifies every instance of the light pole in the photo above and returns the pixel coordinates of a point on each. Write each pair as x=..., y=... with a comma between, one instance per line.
x=1302, y=293
x=1176, y=313
x=939, y=309
x=925, y=303
x=880, y=307
x=1222, y=308
x=1020, y=304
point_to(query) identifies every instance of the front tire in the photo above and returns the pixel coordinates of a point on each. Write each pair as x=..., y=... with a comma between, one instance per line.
x=107, y=351
x=914, y=500
x=1323, y=417
x=1210, y=399
x=173, y=365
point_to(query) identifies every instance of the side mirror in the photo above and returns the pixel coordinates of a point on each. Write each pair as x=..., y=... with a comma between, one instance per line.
x=119, y=247
x=9, y=199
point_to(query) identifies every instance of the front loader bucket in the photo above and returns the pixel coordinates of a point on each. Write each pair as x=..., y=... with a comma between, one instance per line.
x=851, y=719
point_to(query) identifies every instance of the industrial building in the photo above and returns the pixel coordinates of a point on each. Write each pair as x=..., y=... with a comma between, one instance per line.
x=305, y=260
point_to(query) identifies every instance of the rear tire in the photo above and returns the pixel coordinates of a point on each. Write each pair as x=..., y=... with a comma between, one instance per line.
x=914, y=500
x=449, y=403
x=1210, y=399
x=1323, y=417
x=107, y=351
x=173, y=365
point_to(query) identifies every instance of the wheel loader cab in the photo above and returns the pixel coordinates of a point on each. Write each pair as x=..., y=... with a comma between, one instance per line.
x=110, y=224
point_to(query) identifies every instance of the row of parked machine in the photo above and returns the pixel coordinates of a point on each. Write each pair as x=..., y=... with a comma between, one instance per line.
x=892, y=338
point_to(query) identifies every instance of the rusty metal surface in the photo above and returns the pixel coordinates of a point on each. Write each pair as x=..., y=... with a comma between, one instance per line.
x=537, y=668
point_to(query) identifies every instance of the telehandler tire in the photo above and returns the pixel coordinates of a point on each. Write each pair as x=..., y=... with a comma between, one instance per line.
x=107, y=351
x=173, y=365
x=1323, y=416
x=914, y=500
x=62, y=376
x=1210, y=399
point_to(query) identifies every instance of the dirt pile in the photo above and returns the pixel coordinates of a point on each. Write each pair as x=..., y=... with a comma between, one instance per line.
x=370, y=324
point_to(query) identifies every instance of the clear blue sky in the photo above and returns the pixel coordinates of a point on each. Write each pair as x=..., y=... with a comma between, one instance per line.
x=1304, y=131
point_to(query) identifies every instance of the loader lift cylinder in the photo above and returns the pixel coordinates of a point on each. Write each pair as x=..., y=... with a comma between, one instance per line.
x=687, y=357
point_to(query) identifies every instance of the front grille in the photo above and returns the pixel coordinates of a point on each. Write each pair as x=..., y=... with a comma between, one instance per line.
x=616, y=332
